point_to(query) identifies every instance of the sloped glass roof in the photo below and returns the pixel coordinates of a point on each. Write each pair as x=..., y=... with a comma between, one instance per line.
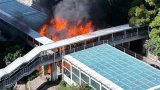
x=12, y=7
x=120, y=68
x=28, y=15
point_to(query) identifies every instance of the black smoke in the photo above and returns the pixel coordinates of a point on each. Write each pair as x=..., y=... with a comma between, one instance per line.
x=72, y=10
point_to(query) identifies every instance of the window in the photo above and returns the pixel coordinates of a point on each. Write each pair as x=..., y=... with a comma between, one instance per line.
x=67, y=72
x=95, y=85
x=75, y=71
x=75, y=75
x=85, y=79
x=103, y=88
x=67, y=69
x=75, y=78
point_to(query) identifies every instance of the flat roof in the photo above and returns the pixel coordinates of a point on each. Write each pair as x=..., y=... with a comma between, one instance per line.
x=120, y=68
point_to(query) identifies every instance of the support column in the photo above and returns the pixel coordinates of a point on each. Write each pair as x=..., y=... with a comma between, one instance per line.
x=112, y=38
x=125, y=34
x=143, y=48
x=62, y=68
x=43, y=72
x=128, y=45
x=60, y=52
x=99, y=39
x=137, y=31
x=53, y=71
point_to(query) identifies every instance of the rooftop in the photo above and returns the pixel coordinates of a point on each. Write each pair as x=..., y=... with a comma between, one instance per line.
x=31, y=16
x=123, y=70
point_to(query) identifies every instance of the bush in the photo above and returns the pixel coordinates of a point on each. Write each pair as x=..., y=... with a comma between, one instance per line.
x=33, y=76
x=63, y=86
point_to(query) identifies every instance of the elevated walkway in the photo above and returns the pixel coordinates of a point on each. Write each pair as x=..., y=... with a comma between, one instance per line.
x=39, y=55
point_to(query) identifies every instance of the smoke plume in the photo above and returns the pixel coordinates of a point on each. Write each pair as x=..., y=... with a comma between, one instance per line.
x=72, y=10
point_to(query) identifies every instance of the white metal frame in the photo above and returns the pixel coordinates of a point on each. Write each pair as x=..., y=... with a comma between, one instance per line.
x=86, y=75
x=91, y=78
x=96, y=76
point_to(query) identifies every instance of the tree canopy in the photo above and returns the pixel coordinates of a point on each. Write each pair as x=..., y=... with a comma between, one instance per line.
x=8, y=53
x=147, y=12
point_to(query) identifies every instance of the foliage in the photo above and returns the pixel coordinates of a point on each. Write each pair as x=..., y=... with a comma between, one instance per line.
x=155, y=23
x=12, y=53
x=155, y=3
x=140, y=15
x=9, y=52
x=33, y=76
x=153, y=45
x=146, y=12
x=63, y=86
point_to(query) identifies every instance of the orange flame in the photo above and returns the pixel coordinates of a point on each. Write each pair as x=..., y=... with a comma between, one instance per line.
x=43, y=29
x=60, y=24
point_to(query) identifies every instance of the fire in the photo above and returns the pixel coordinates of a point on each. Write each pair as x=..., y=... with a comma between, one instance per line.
x=43, y=29
x=59, y=26
x=62, y=26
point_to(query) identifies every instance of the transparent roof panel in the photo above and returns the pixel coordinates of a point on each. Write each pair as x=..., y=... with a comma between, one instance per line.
x=36, y=20
x=28, y=15
x=13, y=8
x=120, y=68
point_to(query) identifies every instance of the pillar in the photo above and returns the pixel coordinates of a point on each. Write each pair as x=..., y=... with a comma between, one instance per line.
x=128, y=45
x=143, y=48
x=125, y=34
x=43, y=72
x=53, y=71
x=112, y=37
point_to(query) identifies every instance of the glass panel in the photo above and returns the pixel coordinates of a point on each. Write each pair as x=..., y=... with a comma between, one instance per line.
x=83, y=82
x=102, y=88
x=75, y=71
x=67, y=73
x=75, y=78
x=85, y=78
x=95, y=85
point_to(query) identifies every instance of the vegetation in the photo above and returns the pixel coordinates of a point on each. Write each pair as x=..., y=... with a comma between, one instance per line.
x=12, y=53
x=33, y=76
x=62, y=86
x=10, y=50
x=146, y=12
x=8, y=53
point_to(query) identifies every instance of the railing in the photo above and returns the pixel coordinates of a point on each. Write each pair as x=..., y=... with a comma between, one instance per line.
x=117, y=38
x=138, y=56
x=26, y=69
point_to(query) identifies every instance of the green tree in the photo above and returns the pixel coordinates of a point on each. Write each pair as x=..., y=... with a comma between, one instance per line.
x=146, y=12
x=10, y=54
x=63, y=86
